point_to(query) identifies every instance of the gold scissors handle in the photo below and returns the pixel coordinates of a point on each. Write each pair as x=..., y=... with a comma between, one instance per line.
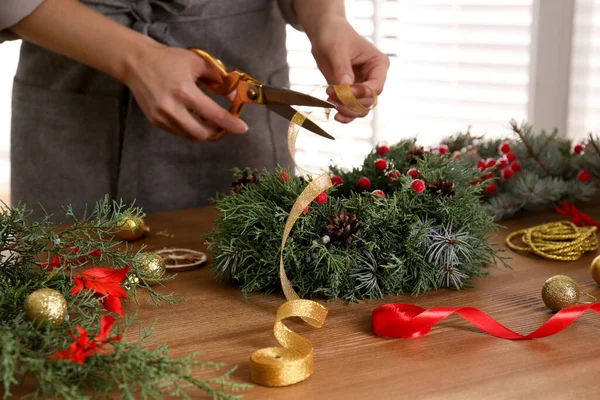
x=247, y=88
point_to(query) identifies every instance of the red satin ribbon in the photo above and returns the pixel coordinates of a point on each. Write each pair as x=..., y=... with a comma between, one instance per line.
x=577, y=217
x=409, y=321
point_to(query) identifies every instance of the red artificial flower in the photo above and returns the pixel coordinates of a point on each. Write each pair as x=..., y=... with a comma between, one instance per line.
x=504, y=148
x=583, y=175
x=105, y=282
x=380, y=164
x=456, y=155
x=578, y=148
x=383, y=150
x=321, y=198
x=417, y=185
x=54, y=262
x=283, y=177
x=443, y=149
x=413, y=173
x=337, y=180
x=502, y=163
x=515, y=166
x=491, y=188
x=363, y=183
x=507, y=173
x=394, y=176
x=577, y=217
x=81, y=348
x=510, y=156
x=379, y=193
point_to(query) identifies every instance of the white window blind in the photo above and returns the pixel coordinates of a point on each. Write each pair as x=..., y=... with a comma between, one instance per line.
x=584, y=97
x=454, y=64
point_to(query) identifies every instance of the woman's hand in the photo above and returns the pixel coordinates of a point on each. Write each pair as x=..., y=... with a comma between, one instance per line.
x=163, y=81
x=343, y=56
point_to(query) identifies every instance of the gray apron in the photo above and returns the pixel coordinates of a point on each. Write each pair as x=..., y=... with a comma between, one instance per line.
x=77, y=134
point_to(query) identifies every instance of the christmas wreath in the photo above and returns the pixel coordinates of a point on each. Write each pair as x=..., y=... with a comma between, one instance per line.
x=61, y=289
x=408, y=220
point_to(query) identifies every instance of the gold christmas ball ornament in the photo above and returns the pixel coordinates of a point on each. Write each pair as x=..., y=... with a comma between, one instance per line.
x=595, y=269
x=559, y=292
x=46, y=306
x=152, y=268
x=131, y=228
x=131, y=281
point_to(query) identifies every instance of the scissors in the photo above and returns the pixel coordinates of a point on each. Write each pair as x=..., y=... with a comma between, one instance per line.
x=252, y=91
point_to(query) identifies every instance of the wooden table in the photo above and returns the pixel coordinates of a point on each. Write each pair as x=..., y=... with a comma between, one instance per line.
x=454, y=361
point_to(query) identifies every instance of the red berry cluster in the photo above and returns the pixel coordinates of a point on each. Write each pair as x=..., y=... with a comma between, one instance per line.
x=506, y=165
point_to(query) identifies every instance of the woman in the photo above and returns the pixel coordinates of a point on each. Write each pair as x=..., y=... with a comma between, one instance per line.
x=100, y=81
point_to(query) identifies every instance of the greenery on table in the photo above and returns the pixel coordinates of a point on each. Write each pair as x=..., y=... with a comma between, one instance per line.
x=402, y=242
x=131, y=368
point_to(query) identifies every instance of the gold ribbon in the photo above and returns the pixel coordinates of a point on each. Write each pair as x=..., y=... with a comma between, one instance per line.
x=293, y=363
x=563, y=241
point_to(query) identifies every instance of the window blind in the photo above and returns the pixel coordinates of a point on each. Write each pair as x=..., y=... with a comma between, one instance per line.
x=584, y=96
x=454, y=64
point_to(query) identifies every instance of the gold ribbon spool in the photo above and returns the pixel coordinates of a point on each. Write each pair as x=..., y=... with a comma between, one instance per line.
x=293, y=363
x=562, y=241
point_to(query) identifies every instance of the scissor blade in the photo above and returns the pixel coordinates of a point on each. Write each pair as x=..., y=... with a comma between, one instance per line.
x=288, y=113
x=275, y=95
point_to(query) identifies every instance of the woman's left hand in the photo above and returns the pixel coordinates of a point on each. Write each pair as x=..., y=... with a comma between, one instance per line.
x=345, y=57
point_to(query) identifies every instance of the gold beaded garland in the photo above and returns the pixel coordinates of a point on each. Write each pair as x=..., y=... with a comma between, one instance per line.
x=563, y=241
x=595, y=269
x=559, y=292
x=152, y=268
x=45, y=306
x=131, y=228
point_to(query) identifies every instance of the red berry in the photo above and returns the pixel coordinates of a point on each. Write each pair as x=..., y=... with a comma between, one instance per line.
x=476, y=182
x=504, y=148
x=481, y=164
x=510, y=156
x=363, y=183
x=491, y=188
x=417, y=185
x=284, y=176
x=515, y=166
x=394, y=176
x=456, y=155
x=95, y=253
x=321, y=198
x=507, y=173
x=378, y=193
x=380, y=164
x=578, y=148
x=583, y=175
x=383, y=150
x=502, y=163
x=487, y=176
x=306, y=209
x=337, y=180
x=490, y=162
x=443, y=149
x=413, y=173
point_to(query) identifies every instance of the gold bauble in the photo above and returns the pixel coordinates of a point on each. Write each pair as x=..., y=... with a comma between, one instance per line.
x=152, y=267
x=559, y=292
x=131, y=228
x=46, y=306
x=130, y=281
x=595, y=269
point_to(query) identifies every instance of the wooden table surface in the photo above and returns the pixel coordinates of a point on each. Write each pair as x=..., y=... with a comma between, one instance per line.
x=454, y=361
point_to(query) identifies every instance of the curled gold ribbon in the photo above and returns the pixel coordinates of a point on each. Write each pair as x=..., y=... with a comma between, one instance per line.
x=563, y=241
x=293, y=363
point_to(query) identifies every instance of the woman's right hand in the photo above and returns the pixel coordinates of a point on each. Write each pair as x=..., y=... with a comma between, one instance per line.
x=163, y=81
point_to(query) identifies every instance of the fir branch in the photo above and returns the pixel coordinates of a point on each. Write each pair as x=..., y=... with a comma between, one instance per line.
x=519, y=131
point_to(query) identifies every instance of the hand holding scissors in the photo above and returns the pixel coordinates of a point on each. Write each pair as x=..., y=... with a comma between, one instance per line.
x=249, y=90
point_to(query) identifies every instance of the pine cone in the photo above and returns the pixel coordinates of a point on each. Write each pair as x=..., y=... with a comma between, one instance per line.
x=241, y=179
x=415, y=153
x=441, y=187
x=343, y=228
